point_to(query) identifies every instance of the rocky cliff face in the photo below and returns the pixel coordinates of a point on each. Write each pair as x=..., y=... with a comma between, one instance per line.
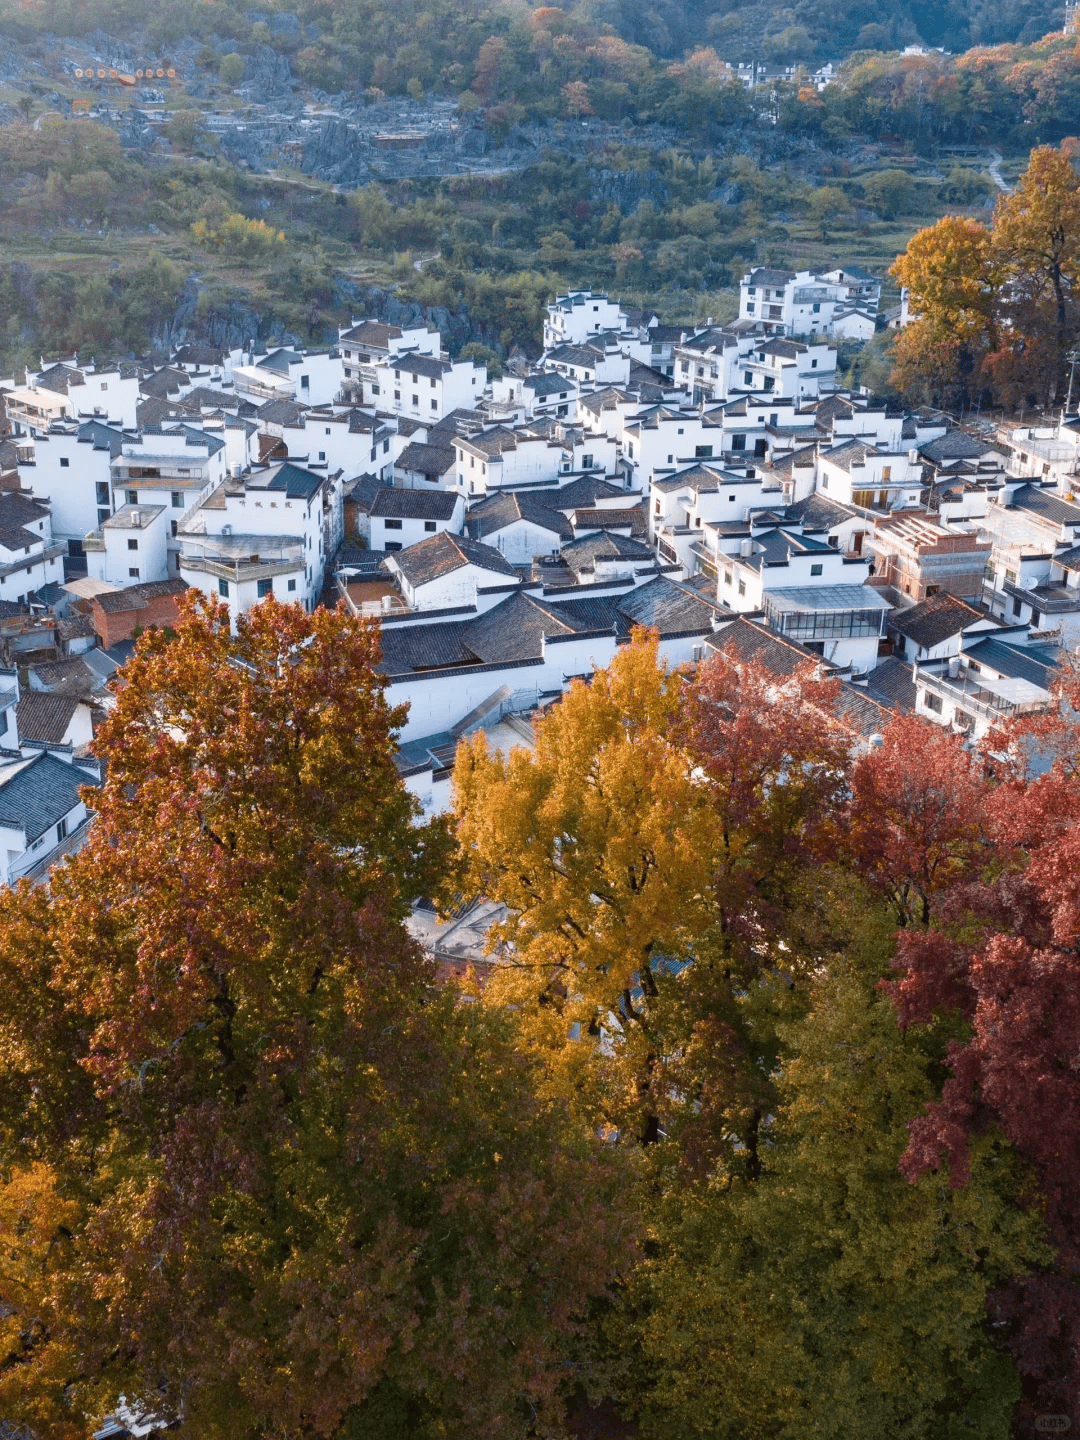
x=237, y=323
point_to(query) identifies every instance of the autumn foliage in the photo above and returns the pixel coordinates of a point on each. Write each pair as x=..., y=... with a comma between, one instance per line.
x=764, y=1120
x=996, y=308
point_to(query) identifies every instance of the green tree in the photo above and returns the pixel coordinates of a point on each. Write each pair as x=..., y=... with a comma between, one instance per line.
x=830, y=1297
x=280, y=1182
x=890, y=193
x=231, y=70
x=827, y=205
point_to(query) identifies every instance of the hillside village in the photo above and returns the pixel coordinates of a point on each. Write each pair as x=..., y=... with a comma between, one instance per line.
x=714, y=483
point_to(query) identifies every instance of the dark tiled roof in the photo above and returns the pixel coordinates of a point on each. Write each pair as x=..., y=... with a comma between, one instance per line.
x=40, y=793
x=502, y=509
x=1017, y=662
x=891, y=684
x=156, y=411
x=747, y=640
x=416, y=364
x=442, y=554
x=163, y=383
x=582, y=494
x=955, y=445
x=102, y=437
x=17, y=509
x=818, y=512
x=1037, y=501
x=668, y=607
x=373, y=332
x=548, y=384
x=199, y=355
x=414, y=504
x=425, y=459
x=45, y=717
x=282, y=412
x=935, y=619
x=297, y=483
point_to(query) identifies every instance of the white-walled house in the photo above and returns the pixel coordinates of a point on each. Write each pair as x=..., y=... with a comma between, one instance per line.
x=855, y=473
x=261, y=534
x=29, y=560
x=425, y=387
x=132, y=548
x=445, y=572
x=842, y=301
x=520, y=525
x=578, y=315
x=529, y=647
x=935, y=628
x=992, y=679
x=400, y=518
x=42, y=815
x=172, y=469
x=69, y=465
x=809, y=592
x=311, y=377
x=783, y=367
x=68, y=391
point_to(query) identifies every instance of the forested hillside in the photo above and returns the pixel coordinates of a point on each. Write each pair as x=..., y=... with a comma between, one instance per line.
x=368, y=42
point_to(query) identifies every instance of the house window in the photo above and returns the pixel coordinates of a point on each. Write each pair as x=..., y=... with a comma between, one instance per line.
x=727, y=577
x=102, y=516
x=815, y=569
x=133, y=544
x=813, y=364
x=304, y=383
x=385, y=446
x=886, y=472
x=64, y=462
x=817, y=308
x=322, y=454
x=742, y=587
x=102, y=489
x=264, y=588
x=223, y=588
x=397, y=394
x=434, y=404
x=132, y=497
x=61, y=830
x=748, y=379
x=738, y=442
x=416, y=400
x=429, y=525
x=133, y=572
x=292, y=584
x=933, y=702
x=392, y=524
x=175, y=527
x=658, y=507
x=433, y=382
x=586, y=462
x=393, y=545
x=1016, y=607
x=177, y=500
x=703, y=452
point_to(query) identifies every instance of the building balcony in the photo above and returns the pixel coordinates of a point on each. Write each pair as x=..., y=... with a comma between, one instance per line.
x=989, y=699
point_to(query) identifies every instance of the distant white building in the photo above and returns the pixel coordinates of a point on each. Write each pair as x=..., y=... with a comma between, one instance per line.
x=312, y=377
x=842, y=302
x=424, y=387
x=578, y=315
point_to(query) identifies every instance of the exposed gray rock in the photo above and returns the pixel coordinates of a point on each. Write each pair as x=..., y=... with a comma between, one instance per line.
x=266, y=74
x=628, y=188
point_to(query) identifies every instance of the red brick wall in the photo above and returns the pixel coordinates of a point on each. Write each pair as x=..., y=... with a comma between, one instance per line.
x=160, y=611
